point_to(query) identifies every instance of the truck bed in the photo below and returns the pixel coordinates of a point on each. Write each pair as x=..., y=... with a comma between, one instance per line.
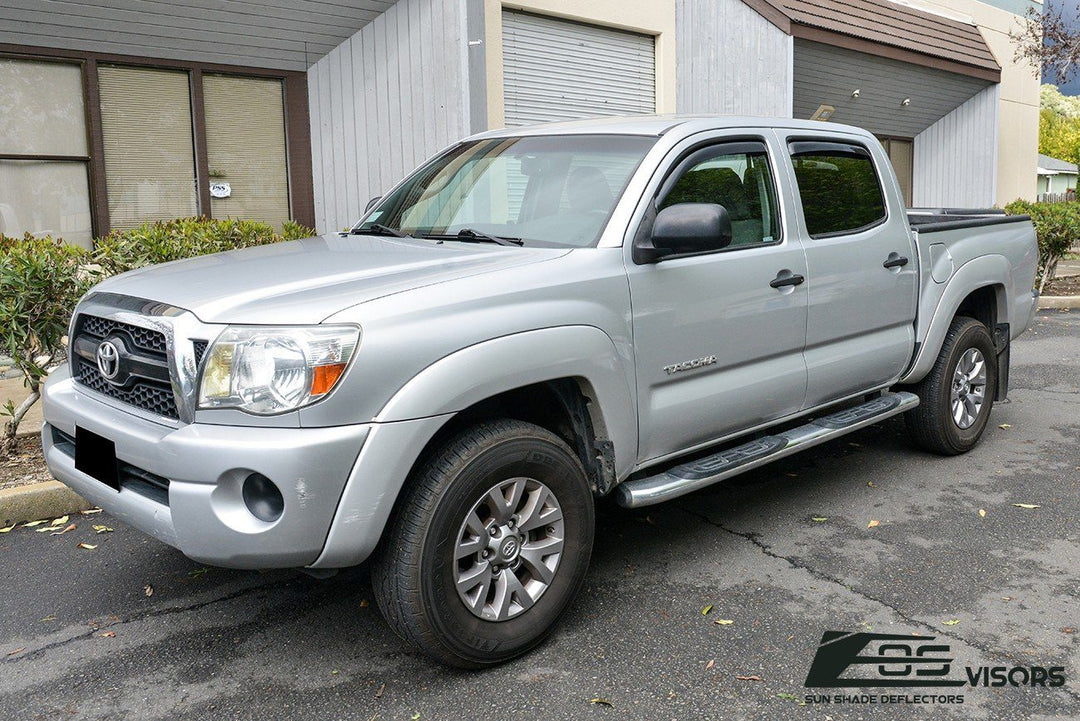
x=932, y=220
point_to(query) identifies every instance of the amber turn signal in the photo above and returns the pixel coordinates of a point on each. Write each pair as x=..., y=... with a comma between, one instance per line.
x=325, y=377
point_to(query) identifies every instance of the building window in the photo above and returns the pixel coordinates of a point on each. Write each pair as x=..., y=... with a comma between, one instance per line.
x=44, y=160
x=149, y=156
x=245, y=146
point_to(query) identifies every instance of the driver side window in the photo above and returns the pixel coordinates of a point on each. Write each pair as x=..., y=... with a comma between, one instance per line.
x=737, y=176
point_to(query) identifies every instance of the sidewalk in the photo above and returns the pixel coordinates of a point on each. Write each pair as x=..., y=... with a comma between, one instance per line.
x=12, y=389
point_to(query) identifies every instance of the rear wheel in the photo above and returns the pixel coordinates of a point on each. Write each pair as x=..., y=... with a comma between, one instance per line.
x=958, y=393
x=489, y=546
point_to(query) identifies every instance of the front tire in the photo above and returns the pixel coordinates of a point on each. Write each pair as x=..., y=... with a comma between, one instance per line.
x=488, y=547
x=958, y=393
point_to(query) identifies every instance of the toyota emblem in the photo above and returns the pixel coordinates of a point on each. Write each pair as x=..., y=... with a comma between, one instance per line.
x=108, y=360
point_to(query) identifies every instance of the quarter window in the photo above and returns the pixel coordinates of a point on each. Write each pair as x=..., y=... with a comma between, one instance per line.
x=839, y=188
x=736, y=176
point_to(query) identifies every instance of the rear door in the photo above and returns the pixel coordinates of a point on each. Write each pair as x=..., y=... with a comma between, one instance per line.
x=718, y=349
x=861, y=262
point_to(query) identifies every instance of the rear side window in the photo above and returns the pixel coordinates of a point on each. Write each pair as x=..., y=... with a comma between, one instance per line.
x=839, y=187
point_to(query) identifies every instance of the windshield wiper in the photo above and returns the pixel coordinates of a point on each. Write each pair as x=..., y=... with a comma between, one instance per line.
x=379, y=229
x=469, y=234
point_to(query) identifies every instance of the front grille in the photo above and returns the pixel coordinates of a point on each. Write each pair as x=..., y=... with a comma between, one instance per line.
x=200, y=350
x=147, y=395
x=149, y=340
x=153, y=395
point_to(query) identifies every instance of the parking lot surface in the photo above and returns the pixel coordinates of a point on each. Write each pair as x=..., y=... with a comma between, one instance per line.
x=131, y=628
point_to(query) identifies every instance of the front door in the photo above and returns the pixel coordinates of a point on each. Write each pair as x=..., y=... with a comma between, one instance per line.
x=718, y=348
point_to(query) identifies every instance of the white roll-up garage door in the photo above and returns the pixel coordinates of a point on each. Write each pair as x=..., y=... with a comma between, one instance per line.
x=561, y=70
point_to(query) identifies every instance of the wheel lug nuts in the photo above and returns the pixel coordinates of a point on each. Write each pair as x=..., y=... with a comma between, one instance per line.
x=494, y=531
x=485, y=553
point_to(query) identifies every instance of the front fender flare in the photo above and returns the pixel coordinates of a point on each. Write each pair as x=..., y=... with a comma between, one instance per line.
x=495, y=366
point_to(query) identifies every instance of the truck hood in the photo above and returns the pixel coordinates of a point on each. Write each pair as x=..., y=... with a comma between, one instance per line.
x=306, y=281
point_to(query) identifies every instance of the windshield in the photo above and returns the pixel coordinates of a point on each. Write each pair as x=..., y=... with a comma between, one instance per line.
x=556, y=190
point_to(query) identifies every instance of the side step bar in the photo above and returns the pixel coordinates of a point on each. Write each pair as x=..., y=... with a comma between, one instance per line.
x=689, y=477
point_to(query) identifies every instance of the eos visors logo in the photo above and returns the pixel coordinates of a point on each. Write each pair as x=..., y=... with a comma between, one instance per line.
x=862, y=660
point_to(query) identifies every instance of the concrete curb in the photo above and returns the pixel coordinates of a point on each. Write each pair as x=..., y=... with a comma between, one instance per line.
x=50, y=499
x=1059, y=301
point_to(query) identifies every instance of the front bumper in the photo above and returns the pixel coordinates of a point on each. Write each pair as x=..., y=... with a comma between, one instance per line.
x=205, y=466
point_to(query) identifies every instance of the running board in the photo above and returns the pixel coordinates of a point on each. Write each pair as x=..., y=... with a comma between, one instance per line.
x=689, y=477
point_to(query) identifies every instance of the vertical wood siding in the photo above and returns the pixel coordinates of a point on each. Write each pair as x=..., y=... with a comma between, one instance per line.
x=384, y=101
x=956, y=157
x=730, y=60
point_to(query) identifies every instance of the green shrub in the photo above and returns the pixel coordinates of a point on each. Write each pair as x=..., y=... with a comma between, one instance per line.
x=41, y=279
x=162, y=241
x=1057, y=227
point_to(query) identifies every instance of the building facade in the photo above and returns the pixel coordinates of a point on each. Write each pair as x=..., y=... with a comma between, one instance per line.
x=117, y=112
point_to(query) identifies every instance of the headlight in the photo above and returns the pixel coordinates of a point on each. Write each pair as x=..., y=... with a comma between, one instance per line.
x=272, y=369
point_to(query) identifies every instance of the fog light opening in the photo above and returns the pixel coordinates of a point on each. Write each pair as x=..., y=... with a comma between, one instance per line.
x=262, y=498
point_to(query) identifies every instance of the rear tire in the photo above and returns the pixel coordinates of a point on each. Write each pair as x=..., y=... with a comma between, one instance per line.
x=958, y=393
x=488, y=547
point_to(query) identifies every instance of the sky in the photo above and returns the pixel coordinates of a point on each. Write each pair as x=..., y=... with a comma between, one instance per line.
x=1068, y=8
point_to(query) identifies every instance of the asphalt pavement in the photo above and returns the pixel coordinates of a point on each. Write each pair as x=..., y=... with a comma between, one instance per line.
x=132, y=629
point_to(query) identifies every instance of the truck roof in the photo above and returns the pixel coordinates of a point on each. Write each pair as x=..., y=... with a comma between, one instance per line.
x=657, y=125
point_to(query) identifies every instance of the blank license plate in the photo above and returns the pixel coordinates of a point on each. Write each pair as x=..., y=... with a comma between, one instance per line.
x=96, y=457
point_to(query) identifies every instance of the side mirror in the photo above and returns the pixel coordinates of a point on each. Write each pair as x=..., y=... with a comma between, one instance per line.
x=372, y=203
x=684, y=229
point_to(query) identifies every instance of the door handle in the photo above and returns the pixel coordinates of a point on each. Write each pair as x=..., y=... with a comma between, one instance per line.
x=785, y=278
x=895, y=260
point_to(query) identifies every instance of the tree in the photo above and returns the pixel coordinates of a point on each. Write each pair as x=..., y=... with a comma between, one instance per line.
x=1049, y=39
x=1059, y=125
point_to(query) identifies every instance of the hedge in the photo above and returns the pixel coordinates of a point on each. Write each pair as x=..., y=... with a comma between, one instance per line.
x=42, y=279
x=1057, y=227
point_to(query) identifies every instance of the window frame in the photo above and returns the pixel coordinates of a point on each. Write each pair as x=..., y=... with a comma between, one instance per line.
x=677, y=168
x=298, y=150
x=833, y=141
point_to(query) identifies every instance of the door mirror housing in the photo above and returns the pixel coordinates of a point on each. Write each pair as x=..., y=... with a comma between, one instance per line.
x=372, y=203
x=686, y=229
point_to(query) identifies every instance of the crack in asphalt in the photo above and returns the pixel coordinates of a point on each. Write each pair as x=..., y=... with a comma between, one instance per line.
x=753, y=538
x=37, y=652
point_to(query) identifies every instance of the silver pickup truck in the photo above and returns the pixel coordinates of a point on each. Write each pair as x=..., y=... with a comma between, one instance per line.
x=534, y=319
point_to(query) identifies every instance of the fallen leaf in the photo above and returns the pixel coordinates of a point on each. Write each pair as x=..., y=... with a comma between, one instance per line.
x=50, y=617
x=819, y=519
x=749, y=678
x=952, y=622
x=364, y=603
x=710, y=664
x=59, y=521
x=1003, y=426
x=45, y=529
x=1026, y=505
x=5, y=530
x=31, y=524
x=705, y=611
x=69, y=527
x=982, y=513
x=335, y=672
x=723, y=622
x=89, y=511
x=871, y=484
x=1006, y=598
x=873, y=524
x=102, y=529
x=107, y=634
x=787, y=696
x=86, y=546
x=600, y=702
x=379, y=692
x=1067, y=629
x=148, y=590
x=18, y=650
